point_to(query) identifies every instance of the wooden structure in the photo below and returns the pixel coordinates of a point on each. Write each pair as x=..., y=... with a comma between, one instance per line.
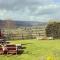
x=8, y=48
x=11, y=49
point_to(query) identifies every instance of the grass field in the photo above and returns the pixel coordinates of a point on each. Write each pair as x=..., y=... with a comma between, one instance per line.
x=36, y=50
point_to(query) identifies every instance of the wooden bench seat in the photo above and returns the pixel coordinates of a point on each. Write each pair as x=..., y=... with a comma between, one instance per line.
x=11, y=49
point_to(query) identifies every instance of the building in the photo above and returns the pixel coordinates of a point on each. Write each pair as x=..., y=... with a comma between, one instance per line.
x=34, y=32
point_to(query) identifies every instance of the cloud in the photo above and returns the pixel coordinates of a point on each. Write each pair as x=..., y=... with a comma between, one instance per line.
x=11, y=4
x=40, y=10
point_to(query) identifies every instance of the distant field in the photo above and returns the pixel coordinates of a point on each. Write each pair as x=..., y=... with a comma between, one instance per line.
x=36, y=50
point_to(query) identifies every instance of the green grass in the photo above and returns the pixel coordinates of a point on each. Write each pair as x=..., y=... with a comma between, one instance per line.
x=36, y=50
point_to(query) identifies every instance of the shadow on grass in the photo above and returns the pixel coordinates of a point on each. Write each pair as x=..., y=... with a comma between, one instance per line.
x=27, y=44
x=20, y=51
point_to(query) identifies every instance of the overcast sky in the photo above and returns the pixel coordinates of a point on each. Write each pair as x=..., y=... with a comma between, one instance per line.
x=32, y=10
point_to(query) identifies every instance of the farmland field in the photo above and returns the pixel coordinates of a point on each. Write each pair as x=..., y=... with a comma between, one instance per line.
x=36, y=50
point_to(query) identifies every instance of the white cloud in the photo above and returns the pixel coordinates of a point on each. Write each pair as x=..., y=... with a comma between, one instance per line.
x=40, y=10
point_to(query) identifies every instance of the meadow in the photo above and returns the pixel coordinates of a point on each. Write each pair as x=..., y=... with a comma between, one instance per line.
x=36, y=50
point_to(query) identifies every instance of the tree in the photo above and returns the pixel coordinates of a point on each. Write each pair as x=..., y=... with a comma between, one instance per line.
x=53, y=30
x=9, y=25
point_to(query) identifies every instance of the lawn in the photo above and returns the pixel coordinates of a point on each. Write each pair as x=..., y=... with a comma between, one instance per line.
x=36, y=50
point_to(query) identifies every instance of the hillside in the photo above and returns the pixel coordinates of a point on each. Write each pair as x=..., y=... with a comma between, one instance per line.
x=22, y=23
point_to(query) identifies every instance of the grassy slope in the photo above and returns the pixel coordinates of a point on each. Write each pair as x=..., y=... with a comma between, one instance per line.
x=36, y=50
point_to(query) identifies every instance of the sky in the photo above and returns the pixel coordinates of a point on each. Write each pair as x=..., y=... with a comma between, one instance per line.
x=30, y=10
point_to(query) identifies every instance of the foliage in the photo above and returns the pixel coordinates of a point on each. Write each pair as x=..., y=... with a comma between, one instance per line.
x=53, y=30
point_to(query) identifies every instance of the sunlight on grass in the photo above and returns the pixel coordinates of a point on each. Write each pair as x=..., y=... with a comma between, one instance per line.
x=36, y=50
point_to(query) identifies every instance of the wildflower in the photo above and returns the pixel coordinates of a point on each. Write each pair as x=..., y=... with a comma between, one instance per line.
x=50, y=58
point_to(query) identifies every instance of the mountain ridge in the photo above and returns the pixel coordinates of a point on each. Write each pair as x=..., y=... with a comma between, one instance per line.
x=22, y=23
